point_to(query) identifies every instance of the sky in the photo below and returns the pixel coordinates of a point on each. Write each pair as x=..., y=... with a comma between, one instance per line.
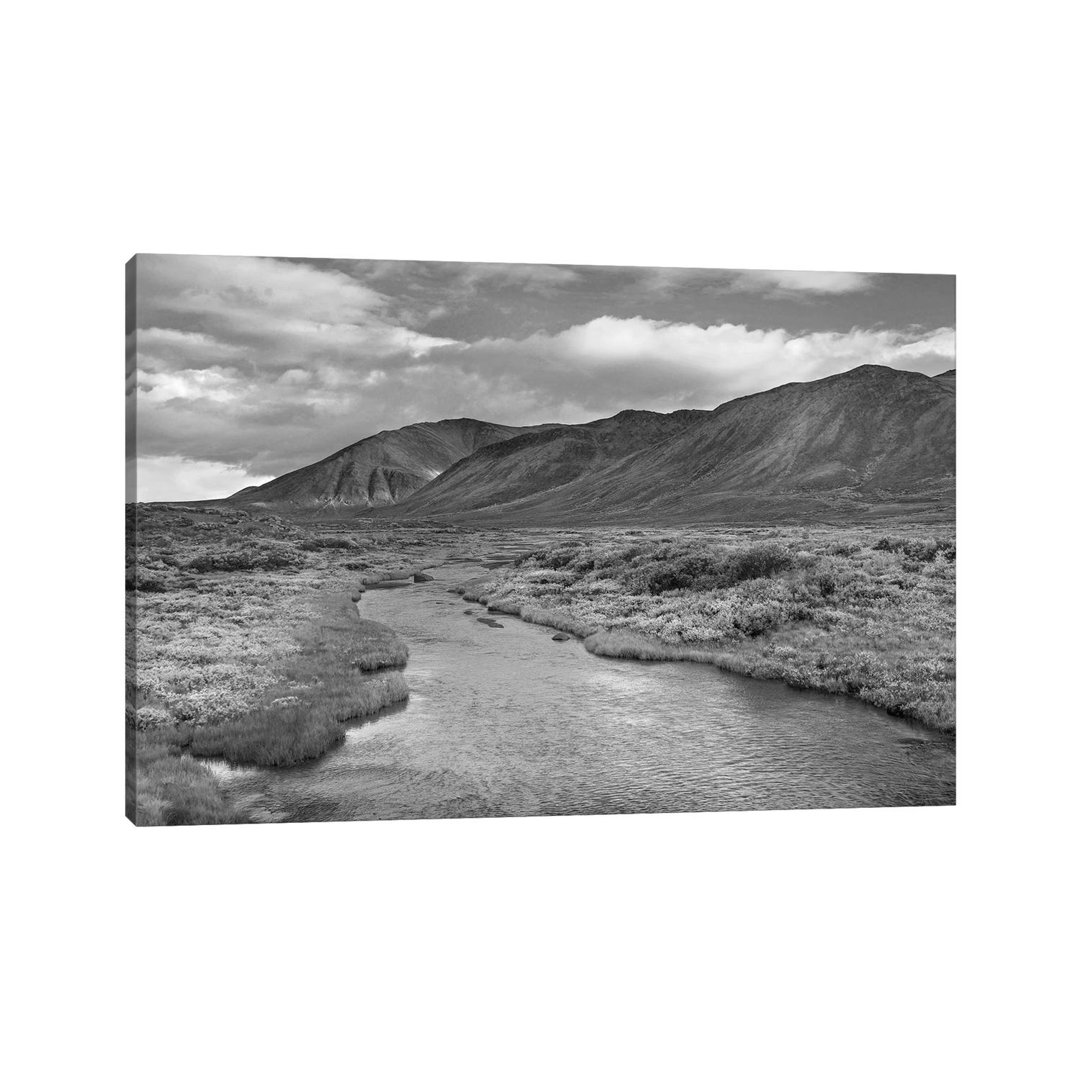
x=243, y=368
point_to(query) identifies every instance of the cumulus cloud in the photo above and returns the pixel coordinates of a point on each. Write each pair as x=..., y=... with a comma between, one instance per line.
x=261, y=315
x=611, y=363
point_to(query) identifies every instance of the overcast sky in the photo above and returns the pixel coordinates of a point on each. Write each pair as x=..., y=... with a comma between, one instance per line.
x=247, y=368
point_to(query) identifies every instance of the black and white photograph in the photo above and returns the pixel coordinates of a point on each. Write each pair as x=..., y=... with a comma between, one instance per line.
x=431, y=539
x=573, y=624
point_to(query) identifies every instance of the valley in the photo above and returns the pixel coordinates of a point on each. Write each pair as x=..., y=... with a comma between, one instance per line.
x=800, y=537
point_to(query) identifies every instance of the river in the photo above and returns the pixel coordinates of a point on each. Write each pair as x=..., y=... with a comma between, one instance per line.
x=507, y=722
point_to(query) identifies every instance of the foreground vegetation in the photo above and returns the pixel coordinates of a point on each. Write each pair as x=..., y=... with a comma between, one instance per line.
x=244, y=644
x=850, y=611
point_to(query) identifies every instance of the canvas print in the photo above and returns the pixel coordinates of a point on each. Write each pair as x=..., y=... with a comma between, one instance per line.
x=449, y=540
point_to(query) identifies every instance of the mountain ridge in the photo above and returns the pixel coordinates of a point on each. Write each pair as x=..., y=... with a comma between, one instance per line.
x=380, y=469
x=873, y=440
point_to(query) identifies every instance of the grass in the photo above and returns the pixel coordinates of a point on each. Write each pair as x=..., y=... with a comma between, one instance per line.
x=244, y=646
x=167, y=787
x=243, y=642
x=290, y=732
x=845, y=611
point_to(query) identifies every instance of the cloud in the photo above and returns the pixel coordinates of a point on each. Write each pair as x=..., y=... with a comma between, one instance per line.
x=528, y=277
x=174, y=478
x=795, y=282
x=466, y=278
x=261, y=315
x=609, y=364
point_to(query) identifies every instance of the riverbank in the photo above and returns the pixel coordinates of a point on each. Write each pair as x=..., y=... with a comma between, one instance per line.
x=245, y=641
x=856, y=612
x=243, y=645
x=336, y=675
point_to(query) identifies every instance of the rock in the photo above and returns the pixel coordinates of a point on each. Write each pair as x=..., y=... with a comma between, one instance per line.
x=422, y=577
x=560, y=637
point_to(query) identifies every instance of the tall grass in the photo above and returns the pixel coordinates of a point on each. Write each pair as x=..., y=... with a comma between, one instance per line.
x=261, y=664
x=557, y=620
x=289, y=710
x=294, y=731
x=169, y=788
x=323, y=684
x=626, y=645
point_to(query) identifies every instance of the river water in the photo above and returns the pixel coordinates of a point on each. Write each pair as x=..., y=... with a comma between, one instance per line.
x=507, y=722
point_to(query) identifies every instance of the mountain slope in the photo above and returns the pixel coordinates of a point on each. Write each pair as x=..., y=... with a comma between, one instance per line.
x=544, y=461
x=379, y=470
x=871, y=441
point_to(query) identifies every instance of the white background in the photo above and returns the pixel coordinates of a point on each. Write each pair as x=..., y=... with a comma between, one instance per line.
x=842, y=136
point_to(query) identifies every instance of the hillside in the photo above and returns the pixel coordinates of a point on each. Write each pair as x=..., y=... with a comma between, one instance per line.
x=868, y=443
x=545, y=461
x=380, y=470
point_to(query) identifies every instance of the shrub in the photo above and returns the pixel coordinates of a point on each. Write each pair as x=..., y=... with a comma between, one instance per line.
x=263, y=555
x=149, y=582
x=758, y=561
x=319, y=543
x=553, y=558
x=918, y=550
x=687, y=572
x=703, y=569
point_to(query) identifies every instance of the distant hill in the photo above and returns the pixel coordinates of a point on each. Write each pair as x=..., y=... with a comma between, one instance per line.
x=870, y=442
x=540, y=462
x=380, y=470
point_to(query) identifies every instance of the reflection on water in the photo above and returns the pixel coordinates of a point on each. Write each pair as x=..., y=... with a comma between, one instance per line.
x=504, y=721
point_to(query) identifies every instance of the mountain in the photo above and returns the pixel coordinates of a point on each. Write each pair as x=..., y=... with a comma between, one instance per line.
x=379, y=470
x=544, y=461
x=871, y=442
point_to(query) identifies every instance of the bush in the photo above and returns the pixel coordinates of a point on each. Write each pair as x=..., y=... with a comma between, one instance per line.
x=758, y=561
x=704, y=569
x=553, y=558
x=916, y=550
x=265, y=555
x=149, y=582
x=319, y=543
x=687, y=572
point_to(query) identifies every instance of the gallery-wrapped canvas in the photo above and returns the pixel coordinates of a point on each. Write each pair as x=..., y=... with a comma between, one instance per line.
x=427, y=540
